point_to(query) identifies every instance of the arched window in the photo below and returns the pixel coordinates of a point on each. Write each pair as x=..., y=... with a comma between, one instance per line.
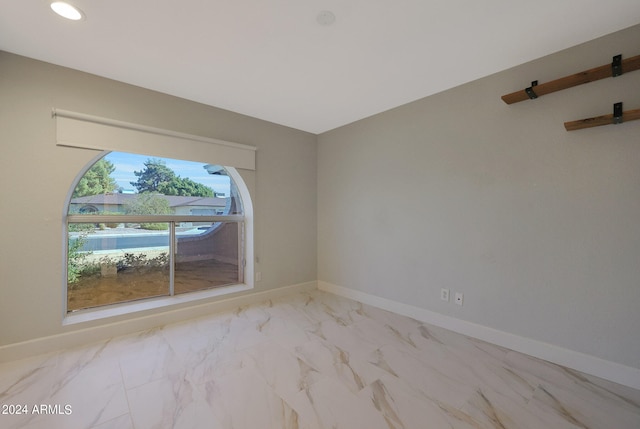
x=141, y=227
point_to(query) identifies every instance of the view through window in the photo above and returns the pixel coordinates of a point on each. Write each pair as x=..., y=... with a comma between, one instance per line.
x=140, y=227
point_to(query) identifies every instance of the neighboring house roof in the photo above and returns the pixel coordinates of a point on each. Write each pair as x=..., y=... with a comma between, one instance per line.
x=174, y=200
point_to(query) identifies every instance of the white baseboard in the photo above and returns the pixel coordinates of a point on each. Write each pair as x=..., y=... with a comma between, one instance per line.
x=108, y=330
x=582, y=362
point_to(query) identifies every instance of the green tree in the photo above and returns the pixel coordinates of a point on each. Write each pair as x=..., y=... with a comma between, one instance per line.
x=185, y=187
x=97, y=180
x=154, y=176
x=157, y=177
x=149, y=204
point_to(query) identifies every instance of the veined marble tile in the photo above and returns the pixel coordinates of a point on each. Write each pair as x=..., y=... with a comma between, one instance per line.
x=148, y=357
x=346, y=338
x=121, y=422
x=27, y=380
x=194, y=339
x=172, y=402
x=491, y=409
x=94, y=389
x=323, y=358
x=26, y=383
x=404, y=407
x=327, y=403
x=284, y=372
x=322, y=307
x=244, y=400
x=308, y=361
x=431, y=381
x=585, y=407
x=80, y=390
x=306, y=314
x=285, y=333
x=626, y=394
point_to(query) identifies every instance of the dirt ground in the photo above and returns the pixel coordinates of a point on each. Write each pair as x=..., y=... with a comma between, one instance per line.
x=135, y=283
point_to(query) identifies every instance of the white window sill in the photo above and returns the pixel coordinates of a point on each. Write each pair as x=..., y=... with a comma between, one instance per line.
x=88, y=315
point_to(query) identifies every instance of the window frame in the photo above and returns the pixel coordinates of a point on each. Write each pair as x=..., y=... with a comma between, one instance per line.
x=245, y=252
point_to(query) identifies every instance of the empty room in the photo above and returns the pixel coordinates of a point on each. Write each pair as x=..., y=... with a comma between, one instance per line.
x=320, y=214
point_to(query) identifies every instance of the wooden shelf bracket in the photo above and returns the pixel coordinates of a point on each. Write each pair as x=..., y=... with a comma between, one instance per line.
x=617, y=67
x=617, y=117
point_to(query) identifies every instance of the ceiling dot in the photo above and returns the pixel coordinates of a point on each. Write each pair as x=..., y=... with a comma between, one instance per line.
x=326, y=18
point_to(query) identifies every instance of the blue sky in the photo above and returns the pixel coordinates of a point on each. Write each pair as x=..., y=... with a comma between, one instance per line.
x=127, y=163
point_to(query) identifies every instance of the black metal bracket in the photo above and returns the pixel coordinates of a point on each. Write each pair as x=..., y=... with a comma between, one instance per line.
x=616, y=66
x=532, y=95
x=617, y=113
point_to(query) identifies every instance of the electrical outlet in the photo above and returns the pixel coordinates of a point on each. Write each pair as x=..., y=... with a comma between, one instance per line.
x=459, y=297
x=444, y=294
x=258, y=276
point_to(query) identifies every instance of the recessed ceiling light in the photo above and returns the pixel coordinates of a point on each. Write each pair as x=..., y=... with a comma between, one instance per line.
x=66, y=10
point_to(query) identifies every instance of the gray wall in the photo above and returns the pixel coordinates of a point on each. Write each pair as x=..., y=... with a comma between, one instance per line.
x=35, y=178
x=537, y=226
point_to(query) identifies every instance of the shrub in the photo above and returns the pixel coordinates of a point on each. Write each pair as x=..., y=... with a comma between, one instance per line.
x=155, y=226
x=76, y=258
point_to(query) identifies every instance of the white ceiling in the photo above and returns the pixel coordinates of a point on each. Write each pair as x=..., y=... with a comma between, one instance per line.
x=270, y=58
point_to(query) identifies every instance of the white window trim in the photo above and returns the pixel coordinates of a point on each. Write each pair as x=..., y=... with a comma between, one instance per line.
x=132, y=307
x=85, y=131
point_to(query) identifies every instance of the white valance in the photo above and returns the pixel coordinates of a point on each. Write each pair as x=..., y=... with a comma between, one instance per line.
x=93, y=132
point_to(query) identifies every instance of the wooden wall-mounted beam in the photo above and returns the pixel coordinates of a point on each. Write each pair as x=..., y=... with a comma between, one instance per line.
x=629, y=115
x=597, y=73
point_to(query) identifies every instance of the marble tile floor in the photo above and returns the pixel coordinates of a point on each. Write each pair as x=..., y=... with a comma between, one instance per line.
x=309, y=361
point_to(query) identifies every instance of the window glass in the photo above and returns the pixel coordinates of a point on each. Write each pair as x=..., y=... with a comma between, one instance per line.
x=208, y=255
x=129, y=184
x=140, y=227
x=107, y=268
